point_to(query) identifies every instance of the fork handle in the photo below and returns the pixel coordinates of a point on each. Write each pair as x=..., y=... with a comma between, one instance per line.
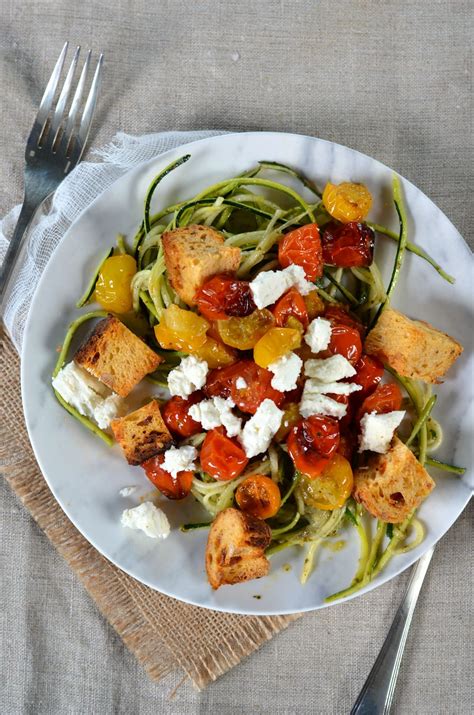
x=8, y=266
x=376, y=696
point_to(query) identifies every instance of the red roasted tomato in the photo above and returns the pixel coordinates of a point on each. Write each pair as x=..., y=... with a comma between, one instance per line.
x=291, y=305
x=338, y=315
x=222, y=457
x=312, y=442
x=177, y=418
x=346, y=341
x=385, y=398
x=348, y=244
x=369, y=373
x=303, y=248
x=222, y=382
x=223, y=296
x=171, y=487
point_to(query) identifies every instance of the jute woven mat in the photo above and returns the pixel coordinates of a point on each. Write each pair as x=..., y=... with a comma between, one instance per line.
x=164, y=634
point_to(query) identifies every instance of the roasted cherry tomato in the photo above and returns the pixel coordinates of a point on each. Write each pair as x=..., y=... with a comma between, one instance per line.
x=181, y=329
x=172, y=487
x=258, y=496
x=347, y=202
x=223, y=296
x=346, y=341
x=256, y=387
x=215, y=353
x=222, y=457
x=303, y=248
x=333, y=486
x=314, y=304
x=177, y=418
x=347, y=245
x=291, y=416
x=344, y=400
x=291, y=305
x=385, y=398
x=338, y=315
x=243, y=333
x=312, y=442
x=274, y=344
x=112, y=289
x=369, y=373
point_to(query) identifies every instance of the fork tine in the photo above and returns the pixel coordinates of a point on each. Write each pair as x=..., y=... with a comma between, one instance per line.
x=91, y=102
x=76, y=101
x=63, y=97
x=50, y=91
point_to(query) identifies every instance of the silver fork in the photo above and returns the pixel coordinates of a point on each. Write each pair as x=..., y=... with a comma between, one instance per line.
x=53, y=149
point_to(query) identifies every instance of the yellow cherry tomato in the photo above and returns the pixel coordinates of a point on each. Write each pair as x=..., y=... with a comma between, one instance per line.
x=181, y=329
x=112, y=289
x=215, y=353
x=243, y=333
x=347, y=201
x=274, y=344
x=332, y=488
x=291, y=416
x=314, y=304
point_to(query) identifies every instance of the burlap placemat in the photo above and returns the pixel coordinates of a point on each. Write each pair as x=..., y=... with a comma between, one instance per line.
x=163, y=634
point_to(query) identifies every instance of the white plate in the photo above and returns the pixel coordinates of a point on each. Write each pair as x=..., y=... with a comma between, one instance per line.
x=85, y=475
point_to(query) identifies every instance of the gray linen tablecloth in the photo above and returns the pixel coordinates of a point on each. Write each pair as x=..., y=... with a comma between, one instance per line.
x=392, y=79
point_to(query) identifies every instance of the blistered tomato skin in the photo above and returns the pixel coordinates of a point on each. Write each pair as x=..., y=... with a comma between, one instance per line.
x=181, y=329
x=291, y=305
x=172, y=487
x=346, y=341
x=244, y=333
x=221, y=457
x=337, y=315
x=177, y=418
x=223, y=296
x=223, y=383
x=348, y=245
x=347, y=202
x=113, y=287
x=274, y=344
x=312, y=442
x=302, y=247
x=259, y=496
x=369, y=373
x=385, y=398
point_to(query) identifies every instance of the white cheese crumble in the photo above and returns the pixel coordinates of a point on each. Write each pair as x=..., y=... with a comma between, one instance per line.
x=240, y=383
x=128, y=491
x=179, y=459
x=286, y=371
x=377, y=430
x=259, y=431
x=148, y=518
x=190, y=375
x=318, y=335
x=330, y=369
x=268, y=286
x=87, y=395
x=314, y=403
x=216, y=412
x=332, y=388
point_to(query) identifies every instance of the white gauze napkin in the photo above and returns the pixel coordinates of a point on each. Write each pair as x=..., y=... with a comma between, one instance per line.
x=76, y=192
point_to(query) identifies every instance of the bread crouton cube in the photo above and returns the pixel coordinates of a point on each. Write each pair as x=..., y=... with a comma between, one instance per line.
x=235, y=549
x=116, y=356
x=193, y=254
x=142, y=434
x=392, y=484
x=412, y=347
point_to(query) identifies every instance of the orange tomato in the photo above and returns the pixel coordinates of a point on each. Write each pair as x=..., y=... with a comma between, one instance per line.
x=172, y=487
x=302, y=247
x=347, y=202
x=258, y=496
x=222, y=457
x=291, y=305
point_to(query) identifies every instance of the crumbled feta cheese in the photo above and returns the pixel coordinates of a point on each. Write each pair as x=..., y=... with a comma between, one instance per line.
x=259, y=431
x=190, y=375
x=314, y=403
x=179, y=459
x=331, y=388
x=216, y=412
x=240, y=383
x=148, y=518
x=318, y=334
x=377, y=430
x=331, y=369
x=128, y=491
x=286, y=371
x=87, y=395
x=268, y=286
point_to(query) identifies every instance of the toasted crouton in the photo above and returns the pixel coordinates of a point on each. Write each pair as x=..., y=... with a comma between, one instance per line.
x=193, y=254
x=142, y=433
x=116, y=356
x=392, y=484
x=235, y=549
x=412, y=347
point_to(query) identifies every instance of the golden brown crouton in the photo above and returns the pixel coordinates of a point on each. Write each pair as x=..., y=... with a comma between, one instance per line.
x=235, y=549
x=116, y=356
x=412, y=347
x=142, y=433
x=193, y=254
x=392, y=484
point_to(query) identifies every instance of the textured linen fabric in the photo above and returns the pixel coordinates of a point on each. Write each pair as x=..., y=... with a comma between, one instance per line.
x=390, y=79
